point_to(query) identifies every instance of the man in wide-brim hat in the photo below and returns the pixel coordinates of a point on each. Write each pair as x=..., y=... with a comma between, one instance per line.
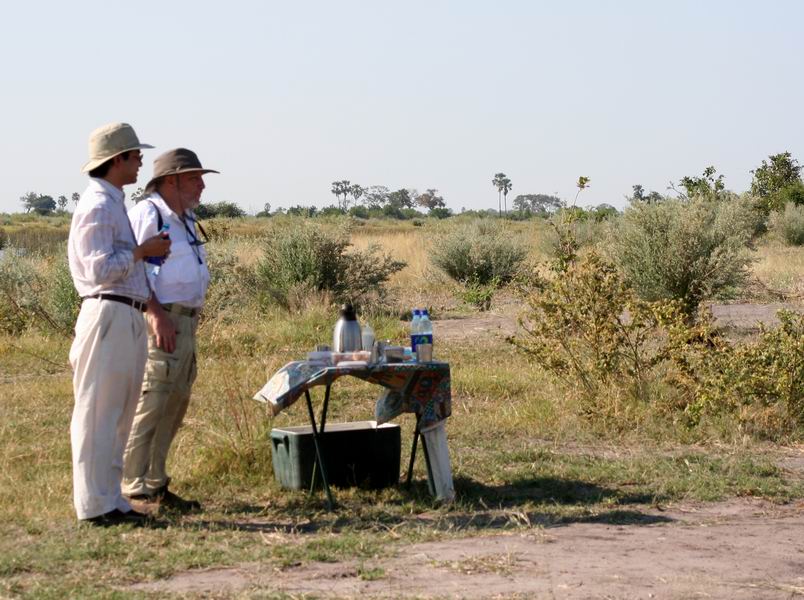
x=179, y=285
x=109, y=350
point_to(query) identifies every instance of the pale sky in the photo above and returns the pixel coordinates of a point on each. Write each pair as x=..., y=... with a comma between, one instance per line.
x=285, y=97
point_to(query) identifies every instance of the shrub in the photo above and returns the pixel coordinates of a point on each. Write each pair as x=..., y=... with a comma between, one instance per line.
x=685, y=250
x=3, y=238
x=63, y=301
x=219, y=209
x=575, y=327
x=19, y=286
x=25, y=294
x=478, y=253
x=789, y=225
x=479, y=295
x=37, y=291
x=440, y=212
x=308, y=257
x=584, y=324
x=760, y=382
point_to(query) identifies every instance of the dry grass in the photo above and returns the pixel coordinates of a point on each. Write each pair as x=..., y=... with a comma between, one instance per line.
x=517, y=442
x=780, y=268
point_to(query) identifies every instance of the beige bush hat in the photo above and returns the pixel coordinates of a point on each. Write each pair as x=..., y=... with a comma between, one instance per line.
x=173, y=162
x=110, y=140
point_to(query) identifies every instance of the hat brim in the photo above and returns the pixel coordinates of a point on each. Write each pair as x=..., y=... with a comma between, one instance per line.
x=99, y=161
x=149, y=187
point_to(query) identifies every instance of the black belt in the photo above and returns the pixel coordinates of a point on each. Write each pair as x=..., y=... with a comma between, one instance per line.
x=141, y=306
x=184, y=311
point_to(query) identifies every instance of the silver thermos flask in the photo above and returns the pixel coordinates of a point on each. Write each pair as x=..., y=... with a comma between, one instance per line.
x=347, y=337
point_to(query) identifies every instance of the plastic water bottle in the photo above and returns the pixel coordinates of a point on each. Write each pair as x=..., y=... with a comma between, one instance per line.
x=414, y=328
x=157, y=261
x=425, y=335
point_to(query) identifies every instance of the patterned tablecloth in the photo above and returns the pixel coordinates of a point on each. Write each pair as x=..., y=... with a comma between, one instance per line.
x=420, y=388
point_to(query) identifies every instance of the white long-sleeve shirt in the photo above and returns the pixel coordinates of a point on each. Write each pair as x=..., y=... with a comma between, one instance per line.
x=101, y=245
x=183, y=277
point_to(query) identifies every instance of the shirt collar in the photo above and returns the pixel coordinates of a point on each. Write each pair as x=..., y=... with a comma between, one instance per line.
x=115, y=192
x=157, y=199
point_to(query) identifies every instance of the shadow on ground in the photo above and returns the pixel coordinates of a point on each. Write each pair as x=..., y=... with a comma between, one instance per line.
x=478, y=506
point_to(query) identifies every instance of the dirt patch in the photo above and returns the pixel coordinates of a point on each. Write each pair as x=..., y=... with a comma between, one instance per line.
x=749, y=316
x=502, y=322
x=743, y=549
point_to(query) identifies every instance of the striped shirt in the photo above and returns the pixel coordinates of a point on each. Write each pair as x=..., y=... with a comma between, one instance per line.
x=101, y=245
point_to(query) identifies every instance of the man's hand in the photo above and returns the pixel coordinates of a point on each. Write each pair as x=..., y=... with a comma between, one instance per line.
x=158, y=245
x=162, y=326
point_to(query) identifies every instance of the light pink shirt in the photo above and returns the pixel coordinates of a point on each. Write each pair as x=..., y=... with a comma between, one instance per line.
x=101, y=245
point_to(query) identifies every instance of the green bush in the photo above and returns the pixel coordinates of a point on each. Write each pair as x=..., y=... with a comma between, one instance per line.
x=63, y=301
x=219, y=209
x=575, y=326
x=789, y=225
x=478, y=253
x=232, y=284
x=479, y=295
x=22, y=291
x=307, y=257
x=759, y=382
x=685, y=250
x=36, y=291
x=626, y=359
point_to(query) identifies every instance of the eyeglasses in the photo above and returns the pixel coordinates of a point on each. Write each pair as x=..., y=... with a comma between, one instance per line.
x=135, y=154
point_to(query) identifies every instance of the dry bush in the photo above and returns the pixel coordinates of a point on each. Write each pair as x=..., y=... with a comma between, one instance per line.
x=685, y=250
x=310, y=256
x=624, y=356
x=480, y=251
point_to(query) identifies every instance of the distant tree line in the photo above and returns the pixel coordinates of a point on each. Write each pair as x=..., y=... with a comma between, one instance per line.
x=776, y=183
x=378, y=200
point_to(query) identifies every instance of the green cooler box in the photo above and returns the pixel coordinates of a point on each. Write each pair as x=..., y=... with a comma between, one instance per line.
x=360, y=453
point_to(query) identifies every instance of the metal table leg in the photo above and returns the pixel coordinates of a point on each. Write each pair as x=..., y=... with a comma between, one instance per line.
x=409, y=478
x=416, y=435
x=313, y=478
x=319, y=458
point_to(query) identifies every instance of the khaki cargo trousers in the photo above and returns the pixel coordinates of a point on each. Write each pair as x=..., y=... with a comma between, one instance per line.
x=163, y=402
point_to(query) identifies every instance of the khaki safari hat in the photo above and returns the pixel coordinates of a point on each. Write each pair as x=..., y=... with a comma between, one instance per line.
x=110, y=140
x=173, y=162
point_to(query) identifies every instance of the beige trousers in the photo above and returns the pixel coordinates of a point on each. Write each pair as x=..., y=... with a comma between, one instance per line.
x=108, y=358
x=161, y=407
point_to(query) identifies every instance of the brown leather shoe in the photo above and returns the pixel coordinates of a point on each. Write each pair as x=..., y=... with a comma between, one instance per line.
x=117, y=517
x=168, y=499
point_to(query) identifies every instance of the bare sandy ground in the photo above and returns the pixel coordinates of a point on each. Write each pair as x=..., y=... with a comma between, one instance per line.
x=740, y=549
x=740, y=317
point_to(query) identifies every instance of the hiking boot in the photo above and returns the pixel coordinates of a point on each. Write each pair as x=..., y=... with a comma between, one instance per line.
x=144, y=503
x=168, y=499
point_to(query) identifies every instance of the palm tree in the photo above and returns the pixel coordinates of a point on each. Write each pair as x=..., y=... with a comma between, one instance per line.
x=341, y=188
x=503, y=185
